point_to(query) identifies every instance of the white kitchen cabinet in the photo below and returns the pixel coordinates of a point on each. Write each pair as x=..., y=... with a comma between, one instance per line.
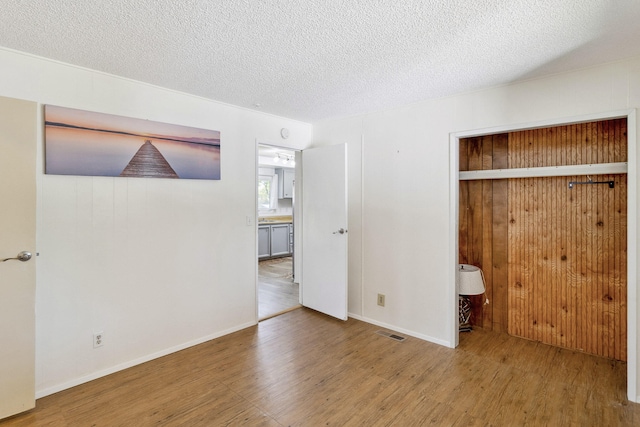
x=285, y=183
x=264, y=241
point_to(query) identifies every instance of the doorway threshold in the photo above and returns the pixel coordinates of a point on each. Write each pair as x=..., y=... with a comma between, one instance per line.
x=286, y=310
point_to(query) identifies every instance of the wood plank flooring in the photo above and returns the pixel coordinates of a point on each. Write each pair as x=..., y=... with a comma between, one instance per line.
x=306, y=369
x=277, y=292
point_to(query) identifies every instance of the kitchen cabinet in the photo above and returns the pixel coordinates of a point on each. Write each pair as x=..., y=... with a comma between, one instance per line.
x=264, y=241
x=285, y=182
x=291, y=239
x=280, y=239
x=275, y=240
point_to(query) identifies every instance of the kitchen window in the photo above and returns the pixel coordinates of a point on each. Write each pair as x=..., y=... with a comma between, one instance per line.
x=267, y=192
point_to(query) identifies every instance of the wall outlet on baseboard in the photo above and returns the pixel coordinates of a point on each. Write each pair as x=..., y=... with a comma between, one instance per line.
x=381, y=300
x=98, y=339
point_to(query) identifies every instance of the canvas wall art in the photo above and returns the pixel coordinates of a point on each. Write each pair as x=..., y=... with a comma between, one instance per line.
x=81, y=142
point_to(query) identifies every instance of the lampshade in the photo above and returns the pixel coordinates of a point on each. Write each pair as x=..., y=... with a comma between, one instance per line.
x=470, y=279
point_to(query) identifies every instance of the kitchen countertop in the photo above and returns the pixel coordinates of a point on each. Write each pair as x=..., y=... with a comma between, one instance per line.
x=268, y=220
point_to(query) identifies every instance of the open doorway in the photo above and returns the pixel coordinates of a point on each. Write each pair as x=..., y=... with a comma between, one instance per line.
x=278, y=289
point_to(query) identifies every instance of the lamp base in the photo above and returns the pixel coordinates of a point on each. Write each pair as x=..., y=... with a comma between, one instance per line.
x=464, y=313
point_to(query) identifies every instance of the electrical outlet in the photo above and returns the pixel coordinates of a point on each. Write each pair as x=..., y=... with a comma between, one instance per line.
x=98, y=339
x=381, y=300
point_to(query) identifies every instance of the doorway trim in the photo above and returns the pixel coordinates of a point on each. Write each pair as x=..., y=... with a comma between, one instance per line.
x=632, y=223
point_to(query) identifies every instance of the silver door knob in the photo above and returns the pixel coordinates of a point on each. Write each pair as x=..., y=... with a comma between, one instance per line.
x=22, y=256
x=340, y=231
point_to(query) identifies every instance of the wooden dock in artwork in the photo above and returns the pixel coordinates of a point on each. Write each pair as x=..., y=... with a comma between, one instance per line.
x=149, y=162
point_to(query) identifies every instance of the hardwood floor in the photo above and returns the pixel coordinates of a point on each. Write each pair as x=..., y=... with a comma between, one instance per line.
x=277, y=291
x=306, y=369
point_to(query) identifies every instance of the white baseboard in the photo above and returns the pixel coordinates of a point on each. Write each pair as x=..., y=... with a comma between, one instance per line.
x=121, y=366
x=404, y=331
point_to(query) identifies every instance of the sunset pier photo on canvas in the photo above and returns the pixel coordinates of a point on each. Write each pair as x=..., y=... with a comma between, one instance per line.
x=94, y=144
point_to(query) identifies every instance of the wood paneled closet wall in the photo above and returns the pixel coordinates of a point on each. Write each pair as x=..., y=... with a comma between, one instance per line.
x=554, y=257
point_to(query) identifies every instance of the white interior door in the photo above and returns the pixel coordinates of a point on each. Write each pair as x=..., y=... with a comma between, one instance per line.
x=17, y=233
x=324, y=230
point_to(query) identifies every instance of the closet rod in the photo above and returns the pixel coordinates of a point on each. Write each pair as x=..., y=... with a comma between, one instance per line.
x=572, y=183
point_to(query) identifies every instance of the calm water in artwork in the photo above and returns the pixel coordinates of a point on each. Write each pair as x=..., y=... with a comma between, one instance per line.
x=84, y=143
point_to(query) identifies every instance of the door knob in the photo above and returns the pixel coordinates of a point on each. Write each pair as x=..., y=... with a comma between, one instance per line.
x=22, y=256
x=340, y=231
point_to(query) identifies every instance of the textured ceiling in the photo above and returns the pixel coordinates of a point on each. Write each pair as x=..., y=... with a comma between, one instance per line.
x=311, y=60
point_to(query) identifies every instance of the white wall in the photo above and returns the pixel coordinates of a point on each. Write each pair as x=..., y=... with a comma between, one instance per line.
x=404, y=250
x=156, y=264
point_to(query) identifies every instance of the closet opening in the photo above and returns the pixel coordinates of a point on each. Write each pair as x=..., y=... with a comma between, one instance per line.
x=559, y=260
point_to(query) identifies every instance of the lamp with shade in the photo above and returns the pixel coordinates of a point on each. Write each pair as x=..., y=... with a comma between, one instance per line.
x=471, y=282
